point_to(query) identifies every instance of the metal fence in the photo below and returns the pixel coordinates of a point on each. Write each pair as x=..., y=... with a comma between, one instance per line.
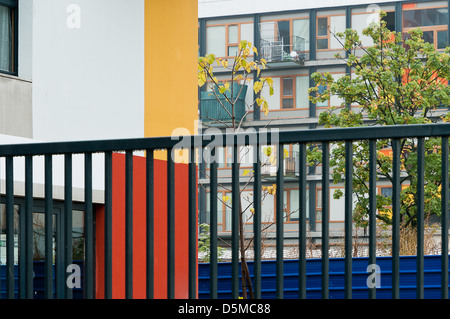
x=196, y=143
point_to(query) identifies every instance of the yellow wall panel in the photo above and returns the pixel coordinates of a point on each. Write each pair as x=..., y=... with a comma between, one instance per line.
x=171, y=48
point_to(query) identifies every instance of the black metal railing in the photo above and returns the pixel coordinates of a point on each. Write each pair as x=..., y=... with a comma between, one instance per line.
x=323, y=137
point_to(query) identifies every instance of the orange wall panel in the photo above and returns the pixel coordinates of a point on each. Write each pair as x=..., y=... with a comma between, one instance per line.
x=139, y=230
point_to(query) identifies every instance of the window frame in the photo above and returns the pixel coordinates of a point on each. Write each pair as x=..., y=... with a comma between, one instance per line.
x=291, y=29
x=328, y=36
x=412, y=6
x=13, y=5
x=343, y=73
x=227, y=43
x=294, y=92
x=286, y=97
x=365, y=13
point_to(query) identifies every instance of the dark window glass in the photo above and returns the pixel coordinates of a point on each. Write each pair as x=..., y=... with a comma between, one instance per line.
x=288, y=86
x=428, y=36
x=6, y=38
x=442, y=39
x=386, y=192
x=288, y=103
x=322, y=27
x=390, y=20
x=425, y=17
x=322, y=44
x=284, y=32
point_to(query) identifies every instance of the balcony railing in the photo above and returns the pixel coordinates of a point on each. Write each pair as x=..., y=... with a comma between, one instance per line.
x=284, y=49
x=218, y=109
x=107, y=148
x=291, y=167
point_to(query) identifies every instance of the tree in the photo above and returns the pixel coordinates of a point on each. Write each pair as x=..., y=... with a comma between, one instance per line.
x=241, y=68
x=396, y=81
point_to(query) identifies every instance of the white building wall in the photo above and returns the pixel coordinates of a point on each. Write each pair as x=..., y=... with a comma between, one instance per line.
x=87, y=69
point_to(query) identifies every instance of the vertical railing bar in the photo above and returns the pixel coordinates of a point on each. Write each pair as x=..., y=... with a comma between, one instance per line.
x=257, y=221
x=396, y=188
x=445, y=196
x=325, y=220
x=192, y=224
x=420, y=218
x=170, y=225
x=129, y=224
x=348, y=217
x=89, y=228
x=48, y=226
x=22, y=237
x=1, y=248
x=28, y=227
x=150, y=223
x=213, y=225
x=9, y=227
x=279, y=222
x=372, y=209
x=235, y=198
x=302, y=221
x=67, y=218
x=108, y=225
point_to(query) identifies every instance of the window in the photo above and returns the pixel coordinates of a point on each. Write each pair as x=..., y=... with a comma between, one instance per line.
x=222, y=39
x=287, y=96
x=291, y=203
x=300, y=30
x=364, y=17
x=334, y=100
x=290, y=92
x=283, y=34
x=327, y=24
x=386, y=191
x=431, y=17
x=7, y=39
x=322, y=33
x=233, y=40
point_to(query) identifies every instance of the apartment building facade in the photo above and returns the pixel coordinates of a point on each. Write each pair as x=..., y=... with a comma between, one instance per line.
x=295, y=38
x=90, y=70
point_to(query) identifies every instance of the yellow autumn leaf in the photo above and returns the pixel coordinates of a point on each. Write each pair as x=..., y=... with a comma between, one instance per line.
x=266, y=108
x=267, y=150
x=246, y=172
x=286, y=153
x=226, y=198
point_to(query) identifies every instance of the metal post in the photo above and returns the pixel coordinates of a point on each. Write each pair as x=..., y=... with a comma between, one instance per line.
x=396, y=188
x=280, y=222
x=348, y=217
x=325, y=219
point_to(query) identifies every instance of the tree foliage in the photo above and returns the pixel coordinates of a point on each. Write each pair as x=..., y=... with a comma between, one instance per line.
x=240, y=69
x=393, y=82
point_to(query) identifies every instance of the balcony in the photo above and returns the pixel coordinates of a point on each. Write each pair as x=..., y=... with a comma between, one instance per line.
x=290, y=167
x=283, y=51
x=212, y=111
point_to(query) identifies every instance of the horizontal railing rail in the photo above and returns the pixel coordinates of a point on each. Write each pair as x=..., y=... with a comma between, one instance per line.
x=283, y=137
x=195, y=144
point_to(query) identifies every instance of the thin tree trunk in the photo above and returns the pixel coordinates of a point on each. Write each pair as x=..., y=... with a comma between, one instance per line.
x=246, y=281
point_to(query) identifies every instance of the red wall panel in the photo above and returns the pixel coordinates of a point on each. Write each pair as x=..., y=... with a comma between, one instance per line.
x=139, y=230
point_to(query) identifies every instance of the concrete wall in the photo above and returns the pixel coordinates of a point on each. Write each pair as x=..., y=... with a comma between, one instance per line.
x=15, y=106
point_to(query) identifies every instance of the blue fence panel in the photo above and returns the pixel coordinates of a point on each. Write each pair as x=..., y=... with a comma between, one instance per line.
x=360, y=274
x=38, y=281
